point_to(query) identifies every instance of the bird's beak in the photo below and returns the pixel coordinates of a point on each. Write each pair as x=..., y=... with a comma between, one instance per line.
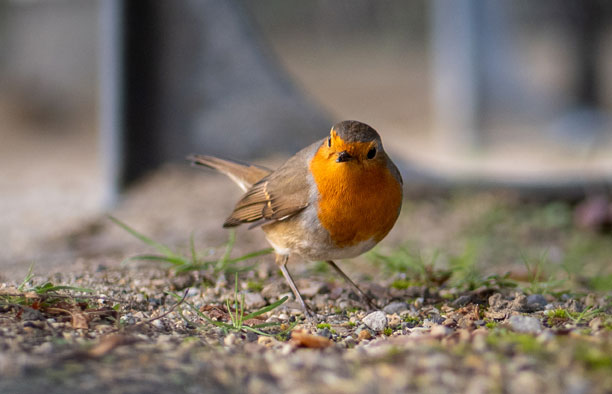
x=343, y=156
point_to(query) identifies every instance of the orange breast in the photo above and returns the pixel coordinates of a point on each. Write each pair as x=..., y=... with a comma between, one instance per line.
x=358, y=201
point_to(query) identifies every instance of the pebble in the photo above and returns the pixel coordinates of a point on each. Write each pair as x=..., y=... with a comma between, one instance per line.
x=273, y=289
x=266, y=341
x=525, y=324
x=394, y=320
x=439, y=331
x=251, y=336
x=395, y=307
x=325, y=333
x=364, y=334
x=230, y=339
x=313, y=288
x=536, y=302
x=596, y=323
x=253, y=300
x=463, y=300
x=377, y=321
x=30, y=314
x=158, y=324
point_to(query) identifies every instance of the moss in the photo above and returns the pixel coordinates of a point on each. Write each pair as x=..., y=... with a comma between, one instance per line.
x=412, y=319
x=254, y=286
x=491, y=325
x=388, y=331
x=403, y=284
x=557, y=316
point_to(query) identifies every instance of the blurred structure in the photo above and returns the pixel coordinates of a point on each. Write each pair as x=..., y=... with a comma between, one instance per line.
x=96, y=93
x=196, y=77
x=484, y=73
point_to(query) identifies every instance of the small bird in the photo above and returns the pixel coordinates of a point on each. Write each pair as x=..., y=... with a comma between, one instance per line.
x=334, y=199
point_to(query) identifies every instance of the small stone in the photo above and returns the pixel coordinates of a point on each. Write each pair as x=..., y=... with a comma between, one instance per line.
x=395, y=307
x=437, y=319
x=326, y=333
x=596, y=323
x=394, y=320
x=364, y=334
x=463, y=300
x=377, y=321
x=348, y=342
x=311, y=288
x=536, y=302
x=439, y=331
x=266, y=341
x=230, y=339
x=251, y=336
x=525, y=324
x=30, y=314
x=253, y=300
x=158, y=324
x=519, y=303
x=274, y=289
x=497, y=302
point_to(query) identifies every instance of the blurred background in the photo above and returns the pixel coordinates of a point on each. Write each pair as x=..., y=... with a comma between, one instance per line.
x=96, y=95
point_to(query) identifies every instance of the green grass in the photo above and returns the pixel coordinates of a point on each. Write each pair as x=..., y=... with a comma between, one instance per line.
x=237, y=316
x=194, y=261
x=47, y=292
x=563, y=315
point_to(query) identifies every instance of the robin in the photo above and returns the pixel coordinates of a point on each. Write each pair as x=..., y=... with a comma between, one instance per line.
x=334, y=199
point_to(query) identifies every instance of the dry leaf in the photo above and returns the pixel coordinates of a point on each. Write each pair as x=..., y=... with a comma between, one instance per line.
x=79, y=320
x=107, y=344
x=303, y=339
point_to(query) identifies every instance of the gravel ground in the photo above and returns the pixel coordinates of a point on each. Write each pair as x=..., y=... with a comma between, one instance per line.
x=129, y=334
x=488, y=340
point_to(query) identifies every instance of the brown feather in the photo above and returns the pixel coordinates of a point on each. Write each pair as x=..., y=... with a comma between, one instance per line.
x=244, y=174
x=278, y=196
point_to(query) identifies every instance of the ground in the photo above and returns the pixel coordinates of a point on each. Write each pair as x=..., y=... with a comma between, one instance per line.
x=479, y=292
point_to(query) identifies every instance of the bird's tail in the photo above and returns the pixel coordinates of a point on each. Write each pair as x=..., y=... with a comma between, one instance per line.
x=244, y=174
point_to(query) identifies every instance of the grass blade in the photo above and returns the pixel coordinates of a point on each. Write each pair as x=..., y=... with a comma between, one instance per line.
x=47, y=289
x=174, y=260
x=27, y=278
x=266, y=308
x=251, y=255
x=194, y=255
x=163, y=249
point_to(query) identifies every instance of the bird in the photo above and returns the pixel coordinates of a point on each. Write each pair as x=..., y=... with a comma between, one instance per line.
x=335, y=199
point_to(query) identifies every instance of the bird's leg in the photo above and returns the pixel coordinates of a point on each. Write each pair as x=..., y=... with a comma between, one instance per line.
x=363, y=295
x=281, y=261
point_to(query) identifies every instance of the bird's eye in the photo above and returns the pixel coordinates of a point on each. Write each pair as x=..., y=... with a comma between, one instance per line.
x=371, y=153
x=329, y=142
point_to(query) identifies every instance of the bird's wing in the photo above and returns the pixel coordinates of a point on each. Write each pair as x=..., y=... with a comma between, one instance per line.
x=278, y=196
